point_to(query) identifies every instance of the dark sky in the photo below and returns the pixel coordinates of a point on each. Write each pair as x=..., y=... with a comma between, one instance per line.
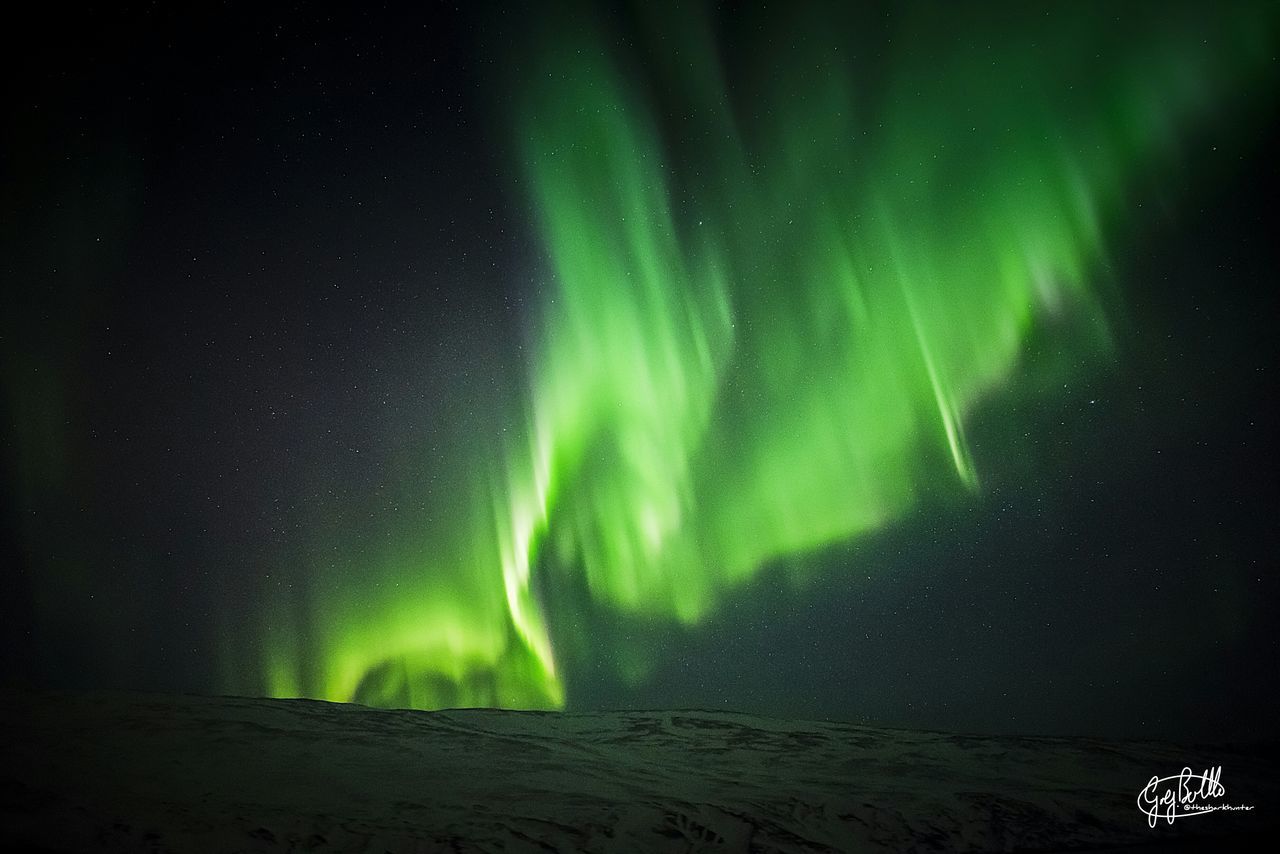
x=270, y=276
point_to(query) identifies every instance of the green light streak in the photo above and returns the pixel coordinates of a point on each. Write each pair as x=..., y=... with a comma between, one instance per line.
x=765, y=326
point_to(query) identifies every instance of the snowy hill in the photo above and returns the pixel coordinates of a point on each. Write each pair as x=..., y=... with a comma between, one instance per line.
x=115, y=772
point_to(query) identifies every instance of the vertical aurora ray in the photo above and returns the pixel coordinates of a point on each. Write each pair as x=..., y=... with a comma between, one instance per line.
x=770, y=309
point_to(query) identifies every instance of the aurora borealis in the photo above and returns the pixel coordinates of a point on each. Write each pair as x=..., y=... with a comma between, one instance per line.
x=755, y=275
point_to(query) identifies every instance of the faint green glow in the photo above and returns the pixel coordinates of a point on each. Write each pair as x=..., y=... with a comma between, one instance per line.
x=766, y=323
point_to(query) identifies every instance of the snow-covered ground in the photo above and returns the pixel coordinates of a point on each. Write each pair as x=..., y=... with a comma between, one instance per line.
x=124, y=772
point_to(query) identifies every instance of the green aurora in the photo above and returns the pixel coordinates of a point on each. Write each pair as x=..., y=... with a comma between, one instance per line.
x=777, y=281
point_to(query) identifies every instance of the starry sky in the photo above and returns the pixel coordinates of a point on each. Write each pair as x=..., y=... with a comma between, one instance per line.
x=898, y=363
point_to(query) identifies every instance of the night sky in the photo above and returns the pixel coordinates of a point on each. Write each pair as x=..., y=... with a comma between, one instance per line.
x=912, y=364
